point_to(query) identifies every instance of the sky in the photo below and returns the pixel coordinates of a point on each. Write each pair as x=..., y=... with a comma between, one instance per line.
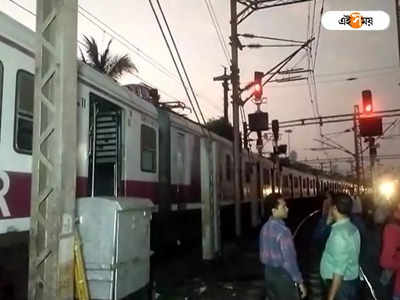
x=370, y=57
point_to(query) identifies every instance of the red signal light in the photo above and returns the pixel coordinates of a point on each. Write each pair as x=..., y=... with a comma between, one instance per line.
x=367, y=101
x=258, y=89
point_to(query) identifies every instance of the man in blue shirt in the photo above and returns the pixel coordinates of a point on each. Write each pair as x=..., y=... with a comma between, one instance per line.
x=278, y=254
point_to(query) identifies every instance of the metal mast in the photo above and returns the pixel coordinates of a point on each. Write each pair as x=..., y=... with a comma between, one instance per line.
x=51, y=266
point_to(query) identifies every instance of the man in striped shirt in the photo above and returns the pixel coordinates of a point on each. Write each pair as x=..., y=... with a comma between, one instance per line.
x=278, y=254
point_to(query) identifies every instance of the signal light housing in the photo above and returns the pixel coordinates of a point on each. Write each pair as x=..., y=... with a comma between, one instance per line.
x=367, y=101
x=258, y=88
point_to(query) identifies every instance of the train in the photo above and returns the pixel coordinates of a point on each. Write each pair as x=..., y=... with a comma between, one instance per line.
x=130, y=147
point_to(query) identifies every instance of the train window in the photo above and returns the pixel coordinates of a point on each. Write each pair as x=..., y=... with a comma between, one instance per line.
x=1, y=91
x=304, y=184
x=24, y=112
x=296, y=182
x=228, y=167
x=149, y=149
x=266, y=176
x=180, y=157
x=285, y=182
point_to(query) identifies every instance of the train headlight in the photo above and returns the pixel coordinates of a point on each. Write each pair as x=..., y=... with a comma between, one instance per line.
x=387, y=189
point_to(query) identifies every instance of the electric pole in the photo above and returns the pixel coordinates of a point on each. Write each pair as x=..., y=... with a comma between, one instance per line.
x=51, y=257
x=224, y=78
x=235, y=118
x=372, y=157
x=356, y=146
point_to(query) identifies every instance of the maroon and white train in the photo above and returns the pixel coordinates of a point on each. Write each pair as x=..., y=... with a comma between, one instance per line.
x=126, y=147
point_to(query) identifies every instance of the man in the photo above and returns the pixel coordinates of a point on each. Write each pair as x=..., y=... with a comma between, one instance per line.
x=339, y=263
x=278, y=254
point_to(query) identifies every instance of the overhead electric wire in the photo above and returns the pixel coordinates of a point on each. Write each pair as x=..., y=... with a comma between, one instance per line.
x=173, y=59
x=129, y=45
x=135, y=49
x=218, y=30
x=23, y=8
x=388, y=68
x=318, y=35
x=180, y=60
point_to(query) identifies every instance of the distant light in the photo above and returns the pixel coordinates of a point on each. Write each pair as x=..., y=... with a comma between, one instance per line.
x=387, y=189
x=257, y=88
x=368, y=108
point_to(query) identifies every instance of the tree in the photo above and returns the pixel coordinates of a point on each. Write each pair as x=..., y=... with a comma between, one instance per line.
x=111, y=65
x=220, y=127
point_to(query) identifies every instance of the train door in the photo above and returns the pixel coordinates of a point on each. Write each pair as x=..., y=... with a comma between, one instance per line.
x=105, y=148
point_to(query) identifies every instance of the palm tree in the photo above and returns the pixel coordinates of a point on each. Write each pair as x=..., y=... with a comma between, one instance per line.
x=112, y=65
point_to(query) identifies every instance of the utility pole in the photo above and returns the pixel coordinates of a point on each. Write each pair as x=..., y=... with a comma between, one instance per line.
x=224, y=78
x=362, y=165
x=51, y=256
x=356, y=146
x=372, y=157
x=288, y=131
x=235, y=118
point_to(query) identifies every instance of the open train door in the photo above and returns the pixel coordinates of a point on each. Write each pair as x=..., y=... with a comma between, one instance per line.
x=105, y=148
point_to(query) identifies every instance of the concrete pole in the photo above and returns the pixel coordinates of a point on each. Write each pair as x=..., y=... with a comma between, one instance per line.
x=51, y=257
x=235, y=118
x=356, y=146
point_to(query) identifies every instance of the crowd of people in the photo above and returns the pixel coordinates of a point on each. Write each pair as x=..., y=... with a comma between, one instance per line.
x=359, y=242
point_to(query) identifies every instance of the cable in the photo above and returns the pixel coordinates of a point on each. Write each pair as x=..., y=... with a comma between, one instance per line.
x=217, y=28
x=173, y=59
x=342, y=80
x=130, y=46
x=123, y=41
x=388, y=68
x=182, y=65
x=318, y=35
x=23, y=8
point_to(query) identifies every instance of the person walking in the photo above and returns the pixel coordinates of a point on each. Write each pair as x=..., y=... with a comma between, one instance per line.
x=340, y=260
x=390, y=253
x=278, y=254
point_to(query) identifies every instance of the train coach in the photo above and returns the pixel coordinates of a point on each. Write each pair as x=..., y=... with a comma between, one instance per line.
x=128, y=147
